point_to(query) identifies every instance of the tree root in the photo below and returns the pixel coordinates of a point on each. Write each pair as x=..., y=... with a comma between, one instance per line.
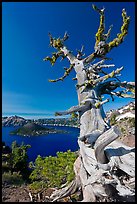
x=68, y=190
x=97, y=182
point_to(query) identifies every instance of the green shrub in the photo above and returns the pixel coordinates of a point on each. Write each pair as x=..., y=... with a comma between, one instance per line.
x=5, y=166
x=12, y=178
x=19, y=157
x=132, y=121
x=113, y=119
x=15, y=160
x=122, y=130
x=37, y=185
x=53, y=171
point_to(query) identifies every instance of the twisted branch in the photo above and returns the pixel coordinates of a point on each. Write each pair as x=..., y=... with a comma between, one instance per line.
x=94, y=82
x=122, y=94
x=109, y=87
x=72, y=110
x=101, y=46
x=67, y=72
x=124, y=30
x=55, y=56
x=110, y=75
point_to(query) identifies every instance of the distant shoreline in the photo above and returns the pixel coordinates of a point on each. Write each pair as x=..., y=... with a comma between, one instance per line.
x=62, y=125
x=34, y=117
x=19, y=121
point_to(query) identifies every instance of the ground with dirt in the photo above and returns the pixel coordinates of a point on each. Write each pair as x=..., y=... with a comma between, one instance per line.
x=15, y=194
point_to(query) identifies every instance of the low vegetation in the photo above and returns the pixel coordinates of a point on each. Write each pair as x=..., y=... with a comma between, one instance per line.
x=12, y=178
x=113, y=118
x=52, y=171
x=45, y=172
x=15, y=163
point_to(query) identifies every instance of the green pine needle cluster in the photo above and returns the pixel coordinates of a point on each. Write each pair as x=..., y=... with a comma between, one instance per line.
x=52, y=171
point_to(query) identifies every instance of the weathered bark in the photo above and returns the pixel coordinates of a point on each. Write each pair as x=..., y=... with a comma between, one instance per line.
x=73, y=109
x=105, y=139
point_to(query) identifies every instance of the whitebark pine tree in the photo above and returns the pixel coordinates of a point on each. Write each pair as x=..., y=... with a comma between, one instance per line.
x=101, y=156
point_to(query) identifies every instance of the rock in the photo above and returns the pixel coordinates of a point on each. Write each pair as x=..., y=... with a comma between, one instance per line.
x=13, y=121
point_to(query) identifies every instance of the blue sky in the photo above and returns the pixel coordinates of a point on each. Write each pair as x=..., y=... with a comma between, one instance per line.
x=25, y=42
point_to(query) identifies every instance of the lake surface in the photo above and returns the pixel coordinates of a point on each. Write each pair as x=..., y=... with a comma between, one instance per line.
x=44, y=145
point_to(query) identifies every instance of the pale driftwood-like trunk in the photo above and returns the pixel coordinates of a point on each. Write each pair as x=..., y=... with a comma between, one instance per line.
x=105, y=167
x=101, y=156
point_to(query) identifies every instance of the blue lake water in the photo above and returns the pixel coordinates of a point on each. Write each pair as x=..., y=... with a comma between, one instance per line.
x=44, y=145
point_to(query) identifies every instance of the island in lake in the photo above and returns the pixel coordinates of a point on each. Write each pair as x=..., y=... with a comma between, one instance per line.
x=33, y=129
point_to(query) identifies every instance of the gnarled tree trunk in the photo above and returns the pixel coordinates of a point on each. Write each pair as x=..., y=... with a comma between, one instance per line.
x=105, y=167
x=100, y=156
